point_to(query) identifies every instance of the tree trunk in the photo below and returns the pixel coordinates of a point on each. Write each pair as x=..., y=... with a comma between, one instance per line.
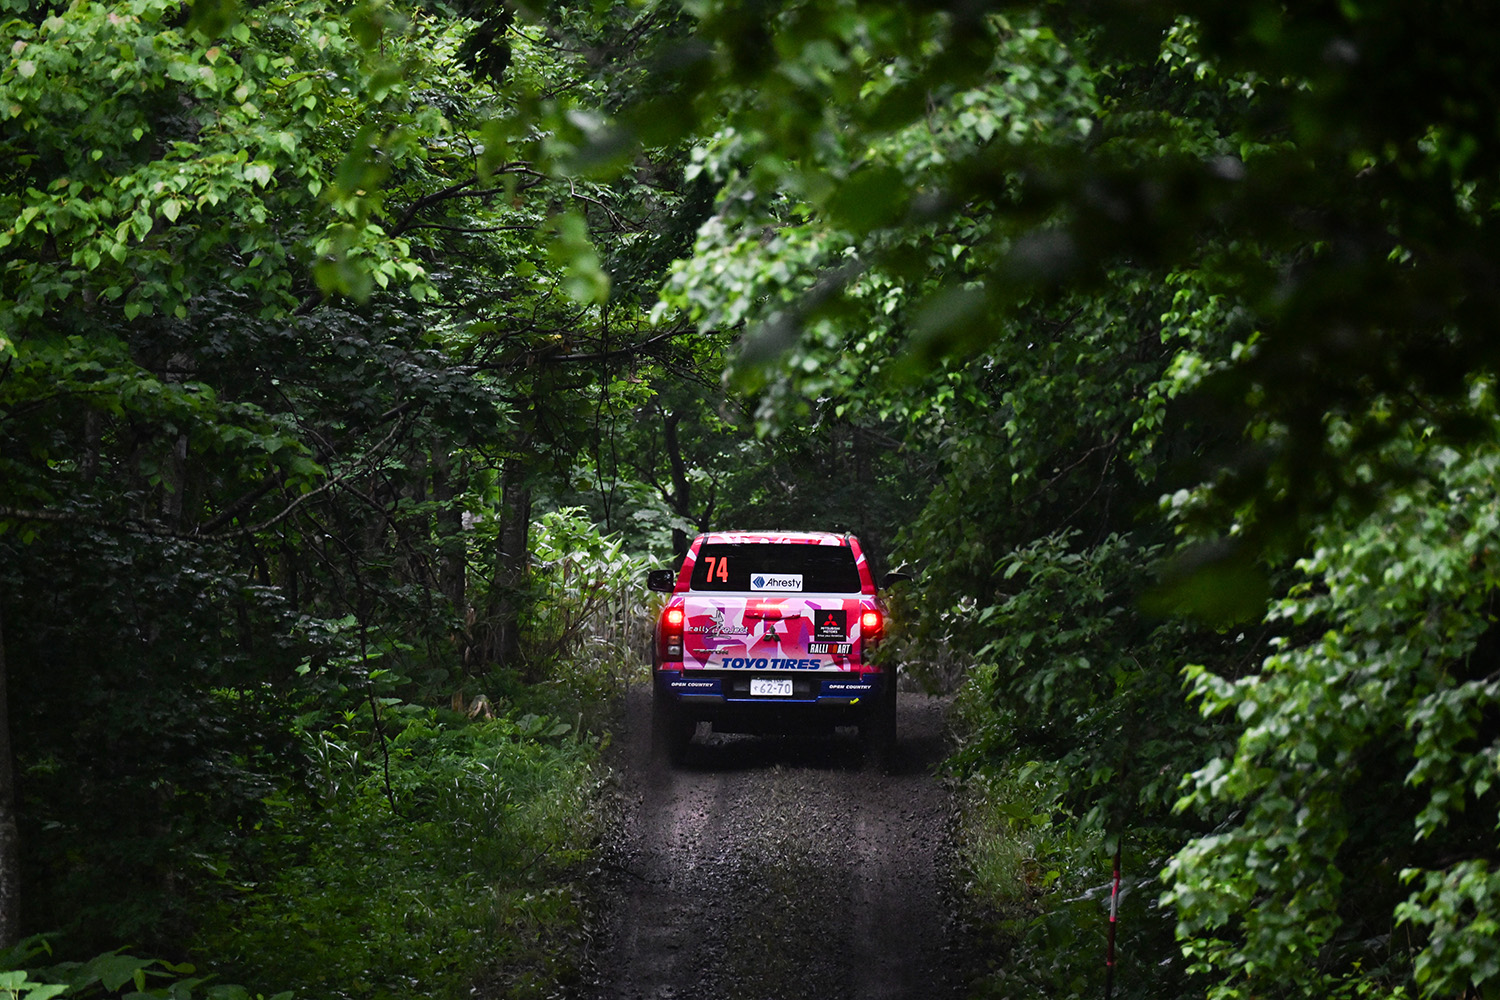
x=682, y=488
x=507, y=593
x=175, y=476
x=871, y=538
x=93, y=433
x=10, y=837
x=681, y=498
x=175, y=484
x=452, y=561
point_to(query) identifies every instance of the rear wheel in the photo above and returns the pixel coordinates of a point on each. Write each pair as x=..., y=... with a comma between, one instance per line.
x=878, y=729
x=671, y=729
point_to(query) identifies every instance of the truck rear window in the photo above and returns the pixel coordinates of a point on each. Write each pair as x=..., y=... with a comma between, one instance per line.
x=776, y=568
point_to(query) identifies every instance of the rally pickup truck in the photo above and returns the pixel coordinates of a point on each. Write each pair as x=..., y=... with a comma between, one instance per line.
x=770, y=633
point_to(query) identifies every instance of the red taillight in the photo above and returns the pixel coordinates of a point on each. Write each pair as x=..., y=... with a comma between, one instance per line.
x=869, y=621
x=669, y=636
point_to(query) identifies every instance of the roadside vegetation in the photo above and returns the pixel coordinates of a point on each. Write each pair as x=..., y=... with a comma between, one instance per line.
x=399, y=835
x=354, y=367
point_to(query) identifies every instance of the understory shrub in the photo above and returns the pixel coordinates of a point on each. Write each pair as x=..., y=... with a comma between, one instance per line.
x=590, y=623
x=444, y=860
x=28, y=971
x=1074, y=737
x=1038, y=879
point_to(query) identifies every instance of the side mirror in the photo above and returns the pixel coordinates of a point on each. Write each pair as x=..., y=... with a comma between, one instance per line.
x=896, y=577
x=663, y=580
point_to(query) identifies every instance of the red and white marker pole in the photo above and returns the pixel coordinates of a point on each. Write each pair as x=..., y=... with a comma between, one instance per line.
x=1114, y=915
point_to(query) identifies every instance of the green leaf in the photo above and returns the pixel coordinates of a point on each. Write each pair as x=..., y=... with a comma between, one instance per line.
x=1220, y=585
x=213, y=18
x=872, y=197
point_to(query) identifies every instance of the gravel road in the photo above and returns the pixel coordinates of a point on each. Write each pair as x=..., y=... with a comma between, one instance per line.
x=777, y=868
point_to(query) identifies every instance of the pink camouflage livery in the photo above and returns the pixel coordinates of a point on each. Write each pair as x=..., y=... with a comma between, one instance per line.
x=771, y=632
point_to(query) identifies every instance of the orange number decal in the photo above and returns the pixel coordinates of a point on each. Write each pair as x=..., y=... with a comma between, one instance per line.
x=722, y=571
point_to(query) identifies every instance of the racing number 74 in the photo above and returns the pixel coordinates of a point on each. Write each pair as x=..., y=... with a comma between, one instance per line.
x=718, y=568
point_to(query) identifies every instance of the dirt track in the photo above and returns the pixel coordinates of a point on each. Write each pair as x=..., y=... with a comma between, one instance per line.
x=777, y=868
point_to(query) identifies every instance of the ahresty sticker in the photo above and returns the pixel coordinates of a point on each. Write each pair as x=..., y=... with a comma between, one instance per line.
x=776, y=581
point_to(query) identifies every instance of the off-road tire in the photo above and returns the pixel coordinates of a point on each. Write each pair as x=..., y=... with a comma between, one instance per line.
x=671, y=730
x=878, y=728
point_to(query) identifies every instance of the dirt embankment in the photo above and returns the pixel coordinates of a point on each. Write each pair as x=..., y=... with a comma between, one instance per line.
x=778, y=868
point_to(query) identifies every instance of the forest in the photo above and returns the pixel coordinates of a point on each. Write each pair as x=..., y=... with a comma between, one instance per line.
x=357, y=361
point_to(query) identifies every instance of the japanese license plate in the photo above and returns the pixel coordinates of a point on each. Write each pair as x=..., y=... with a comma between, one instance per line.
x=778, y=687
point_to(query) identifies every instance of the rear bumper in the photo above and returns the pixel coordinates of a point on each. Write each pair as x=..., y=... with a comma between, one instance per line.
x=818, y=700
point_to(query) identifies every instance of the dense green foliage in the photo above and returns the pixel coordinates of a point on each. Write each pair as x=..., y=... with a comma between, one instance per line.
x=1155, y=336
x=1231, y=258
x=297, y=320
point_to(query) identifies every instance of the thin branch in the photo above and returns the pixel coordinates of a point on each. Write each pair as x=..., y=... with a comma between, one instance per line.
x=536, y=357
x=461, y=189
x=232, y=511
x=474, y=230
x=430, y=199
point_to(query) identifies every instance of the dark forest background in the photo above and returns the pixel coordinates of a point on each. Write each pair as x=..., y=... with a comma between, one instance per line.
x=355, y=365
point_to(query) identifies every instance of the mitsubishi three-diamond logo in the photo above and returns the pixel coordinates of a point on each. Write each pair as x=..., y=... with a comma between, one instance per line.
x=831, y=625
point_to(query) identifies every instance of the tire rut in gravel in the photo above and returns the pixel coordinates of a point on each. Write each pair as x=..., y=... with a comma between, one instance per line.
x=768, y=867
